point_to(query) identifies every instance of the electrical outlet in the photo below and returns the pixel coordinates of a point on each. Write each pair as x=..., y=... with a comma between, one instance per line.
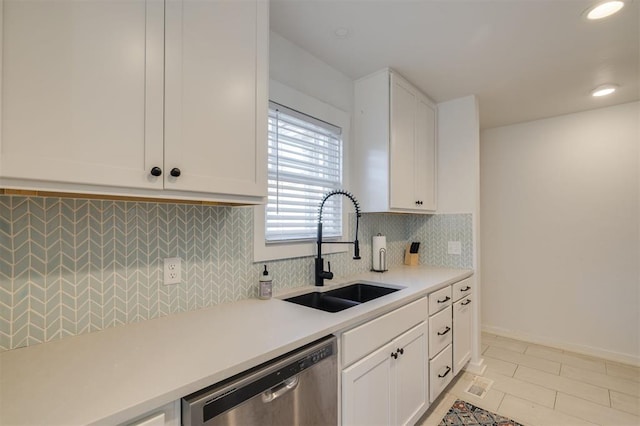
x=454, y=247
x=172, y=270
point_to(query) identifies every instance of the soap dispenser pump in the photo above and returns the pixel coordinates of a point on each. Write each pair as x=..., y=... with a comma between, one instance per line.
x=266, y=285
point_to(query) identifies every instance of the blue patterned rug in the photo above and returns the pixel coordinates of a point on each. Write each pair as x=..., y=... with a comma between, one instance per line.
x=465, y=414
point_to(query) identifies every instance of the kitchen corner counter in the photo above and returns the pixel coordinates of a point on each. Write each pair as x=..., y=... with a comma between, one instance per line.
x=114, y=375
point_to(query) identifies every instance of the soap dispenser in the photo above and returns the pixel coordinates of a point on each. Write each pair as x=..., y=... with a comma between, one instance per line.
x=266, y=285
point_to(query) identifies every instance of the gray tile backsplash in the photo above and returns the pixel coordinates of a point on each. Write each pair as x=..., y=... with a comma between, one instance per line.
x=71, y=266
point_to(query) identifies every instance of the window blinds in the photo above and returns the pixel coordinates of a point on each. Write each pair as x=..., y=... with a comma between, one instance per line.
x=305, y=162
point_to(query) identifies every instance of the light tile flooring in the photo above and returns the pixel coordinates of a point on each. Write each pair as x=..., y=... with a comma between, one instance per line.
x=541, y=386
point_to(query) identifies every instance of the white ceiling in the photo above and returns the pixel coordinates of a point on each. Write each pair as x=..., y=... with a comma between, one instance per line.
x=525, y=59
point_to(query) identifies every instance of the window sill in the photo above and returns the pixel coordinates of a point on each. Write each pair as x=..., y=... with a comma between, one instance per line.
x=263, y=252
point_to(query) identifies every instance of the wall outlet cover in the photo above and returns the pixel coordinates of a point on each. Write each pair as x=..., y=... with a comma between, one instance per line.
x=172, y=270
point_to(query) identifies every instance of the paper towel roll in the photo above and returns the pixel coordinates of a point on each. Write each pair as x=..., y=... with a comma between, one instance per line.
x=379, y=253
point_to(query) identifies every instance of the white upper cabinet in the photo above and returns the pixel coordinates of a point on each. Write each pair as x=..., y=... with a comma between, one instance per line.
x=215, y=111
x=74, y=99
x=111, y=97
x=395, y=147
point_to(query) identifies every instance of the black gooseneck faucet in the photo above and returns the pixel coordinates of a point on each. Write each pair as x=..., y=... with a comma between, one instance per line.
x=321, y=274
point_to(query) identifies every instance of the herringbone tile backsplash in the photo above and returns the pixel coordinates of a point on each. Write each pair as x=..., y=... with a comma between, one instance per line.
x=69, y=266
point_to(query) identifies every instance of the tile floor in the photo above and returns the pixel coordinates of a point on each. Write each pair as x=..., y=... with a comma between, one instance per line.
x=541, y=386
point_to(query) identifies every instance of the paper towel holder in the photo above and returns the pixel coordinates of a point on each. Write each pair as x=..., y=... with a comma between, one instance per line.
x=382, y=257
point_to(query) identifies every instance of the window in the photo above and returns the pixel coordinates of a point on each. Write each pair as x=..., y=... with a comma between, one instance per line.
x=303, y=107
x=304, y=162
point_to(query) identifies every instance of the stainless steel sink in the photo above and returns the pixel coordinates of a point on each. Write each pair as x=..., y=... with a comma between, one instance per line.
x=342, y=298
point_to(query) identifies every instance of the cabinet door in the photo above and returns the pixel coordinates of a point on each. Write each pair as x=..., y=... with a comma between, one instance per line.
x=411, y=375
x=402, y=154
x=82, y=92
x=216, y=96
x=462, y=314
x=366, y=390
x=425, y=158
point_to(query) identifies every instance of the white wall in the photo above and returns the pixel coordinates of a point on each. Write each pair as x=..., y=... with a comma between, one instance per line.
x=459, y=185
x=560, y=231
x=458, y=155
x=295, y=67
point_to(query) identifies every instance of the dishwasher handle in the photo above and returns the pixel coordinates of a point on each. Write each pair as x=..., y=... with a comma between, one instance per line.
x=277, y=391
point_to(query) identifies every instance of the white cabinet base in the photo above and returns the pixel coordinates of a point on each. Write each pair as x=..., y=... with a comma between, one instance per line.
x=388, y=386
x=366, y=390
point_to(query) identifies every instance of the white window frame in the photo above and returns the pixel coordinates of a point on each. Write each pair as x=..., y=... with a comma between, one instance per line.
x=306, y=104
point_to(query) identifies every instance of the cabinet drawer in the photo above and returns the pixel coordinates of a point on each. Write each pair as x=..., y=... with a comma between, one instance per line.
x=440, y=373
x=364, y=339
x=462, y=289
x=439, y=300
x=440, y=331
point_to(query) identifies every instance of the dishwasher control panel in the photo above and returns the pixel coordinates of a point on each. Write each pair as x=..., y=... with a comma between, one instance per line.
x=307, y=361
x=315, y=357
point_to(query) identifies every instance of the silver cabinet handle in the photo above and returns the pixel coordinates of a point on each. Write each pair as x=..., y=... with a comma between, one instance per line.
x=280, y=389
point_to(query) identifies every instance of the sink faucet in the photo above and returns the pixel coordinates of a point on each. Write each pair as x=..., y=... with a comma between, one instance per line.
x=321, y=274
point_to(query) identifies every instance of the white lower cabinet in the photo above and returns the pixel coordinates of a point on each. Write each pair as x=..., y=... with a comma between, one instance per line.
x=462, y=333
x=450, y=326
x=395, y=365
x=389, y=386
x=411, y=374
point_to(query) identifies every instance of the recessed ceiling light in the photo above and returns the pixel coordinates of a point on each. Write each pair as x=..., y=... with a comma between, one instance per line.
x=341, y=32
x=604, y=9
x=604, y=90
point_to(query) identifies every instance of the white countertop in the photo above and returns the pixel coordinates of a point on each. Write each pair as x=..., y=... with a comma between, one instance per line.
x=114, y=375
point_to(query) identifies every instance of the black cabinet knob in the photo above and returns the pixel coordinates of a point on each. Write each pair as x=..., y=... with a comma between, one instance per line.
x=175, y=172
x=400, y=351
x=394, y=355
x=156, y=171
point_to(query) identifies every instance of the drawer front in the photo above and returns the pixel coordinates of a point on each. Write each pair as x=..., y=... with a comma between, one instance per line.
x=440, y=331
x=440, y=373
x=438, y=300
x=364, y=339
x=461, y=289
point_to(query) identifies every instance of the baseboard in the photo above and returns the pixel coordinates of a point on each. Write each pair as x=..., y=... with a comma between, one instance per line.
x=476, y=368
x=580, y=349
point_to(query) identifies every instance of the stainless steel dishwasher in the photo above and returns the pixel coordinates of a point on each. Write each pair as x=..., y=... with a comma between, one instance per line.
x=298, y=388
